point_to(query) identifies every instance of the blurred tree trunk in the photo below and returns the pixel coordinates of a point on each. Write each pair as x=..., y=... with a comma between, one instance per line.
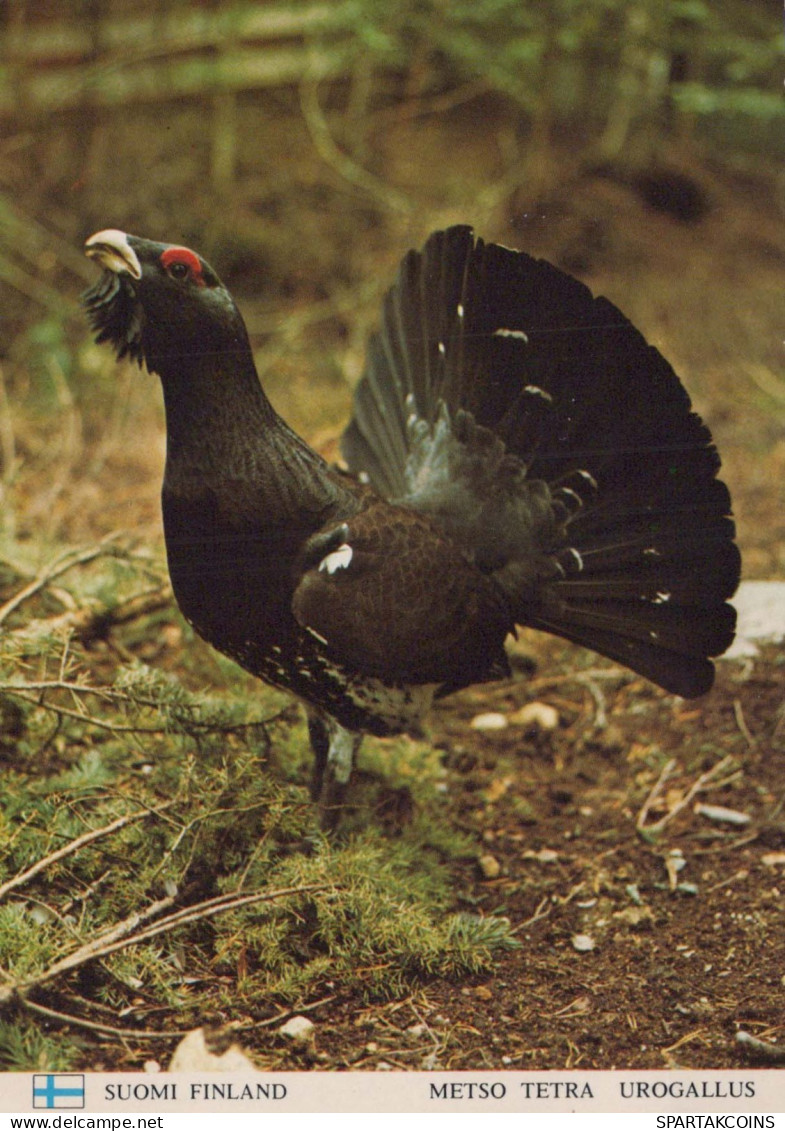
x=223, y=140
x=223, y=123
x=540, y=155
x=88, y=136
x=641, y=84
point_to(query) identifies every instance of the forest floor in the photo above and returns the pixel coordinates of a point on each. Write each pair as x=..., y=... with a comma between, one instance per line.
x=650, y=928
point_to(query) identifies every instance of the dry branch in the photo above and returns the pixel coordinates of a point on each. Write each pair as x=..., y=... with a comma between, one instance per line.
x=74, y=846
x=708, y=780
x=52, y=571
x=126, y=933
x=88, y=623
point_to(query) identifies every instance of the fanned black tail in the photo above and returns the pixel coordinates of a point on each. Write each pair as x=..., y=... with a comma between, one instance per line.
x=535, y=423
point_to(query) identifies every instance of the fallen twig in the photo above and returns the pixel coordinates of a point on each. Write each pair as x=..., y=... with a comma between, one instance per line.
x=741, y=723
x=34, y=691
x=740, y=875
x=708, y=780
x=86, y=623
x=686, y=1039
x=541, y=911
x=727, y=845
x=654, y=793
x=164, y=1034
x=53, y=570
x=286, y=1013
x=760, y=1050
x=125, y=933
x=600, y=713
x=74, y=846
x=101, y=1027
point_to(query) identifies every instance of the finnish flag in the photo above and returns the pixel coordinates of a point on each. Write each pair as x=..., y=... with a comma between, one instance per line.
x=60, y=1089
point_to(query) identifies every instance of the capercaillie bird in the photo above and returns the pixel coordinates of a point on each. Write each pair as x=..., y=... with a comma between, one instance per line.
x=517, y=455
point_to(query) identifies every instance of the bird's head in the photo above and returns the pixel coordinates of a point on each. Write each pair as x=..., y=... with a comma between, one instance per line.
x=159, y=303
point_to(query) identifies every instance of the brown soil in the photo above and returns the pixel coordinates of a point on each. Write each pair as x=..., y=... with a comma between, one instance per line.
x=679, y=960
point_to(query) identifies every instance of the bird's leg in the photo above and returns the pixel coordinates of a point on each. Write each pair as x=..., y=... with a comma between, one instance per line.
x=320, y=744
x=334, y=750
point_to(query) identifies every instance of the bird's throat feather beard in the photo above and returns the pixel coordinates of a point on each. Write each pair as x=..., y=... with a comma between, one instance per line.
x=116, y=315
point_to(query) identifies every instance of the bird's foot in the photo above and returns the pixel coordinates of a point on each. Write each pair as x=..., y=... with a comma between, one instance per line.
x=334, y=750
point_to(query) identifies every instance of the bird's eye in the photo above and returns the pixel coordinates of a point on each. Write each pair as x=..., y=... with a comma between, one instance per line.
x=180, y=263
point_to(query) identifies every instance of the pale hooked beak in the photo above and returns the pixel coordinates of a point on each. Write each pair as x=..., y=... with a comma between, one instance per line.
x=112, y=250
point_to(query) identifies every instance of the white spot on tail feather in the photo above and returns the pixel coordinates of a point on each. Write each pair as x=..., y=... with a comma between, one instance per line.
x=536, y=391
x=576, y=555
x=338, y=559
x=572, y=494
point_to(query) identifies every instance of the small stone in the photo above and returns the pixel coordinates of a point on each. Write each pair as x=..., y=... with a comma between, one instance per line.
x=539, y=715
x=489, y=720
x=721, y=813
x=634, y=916
x=299, y=1030
x=489, y=866
x=193, y=1055
x=583, y=943
x=674, y=863
x=634, y=894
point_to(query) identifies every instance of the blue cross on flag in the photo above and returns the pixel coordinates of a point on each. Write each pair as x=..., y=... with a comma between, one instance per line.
x=61, y=1089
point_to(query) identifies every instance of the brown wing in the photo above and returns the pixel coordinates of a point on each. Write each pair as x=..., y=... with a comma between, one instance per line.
x=395, y=598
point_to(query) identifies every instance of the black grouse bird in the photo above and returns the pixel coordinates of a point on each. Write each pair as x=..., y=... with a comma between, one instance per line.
x=518, y=455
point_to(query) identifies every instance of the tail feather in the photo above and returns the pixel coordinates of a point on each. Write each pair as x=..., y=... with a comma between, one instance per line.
x=677, y=672
x=537, y=425
x=688, y=631
x=684, y=540
x=375, y=441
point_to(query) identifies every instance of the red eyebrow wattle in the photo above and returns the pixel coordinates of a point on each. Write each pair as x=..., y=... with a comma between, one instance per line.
x=186, y=256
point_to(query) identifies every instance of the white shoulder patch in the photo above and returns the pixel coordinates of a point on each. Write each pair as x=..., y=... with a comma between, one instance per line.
x=338, y=559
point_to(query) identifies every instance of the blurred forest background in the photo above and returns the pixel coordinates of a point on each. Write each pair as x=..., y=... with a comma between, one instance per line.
x=302, y=147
